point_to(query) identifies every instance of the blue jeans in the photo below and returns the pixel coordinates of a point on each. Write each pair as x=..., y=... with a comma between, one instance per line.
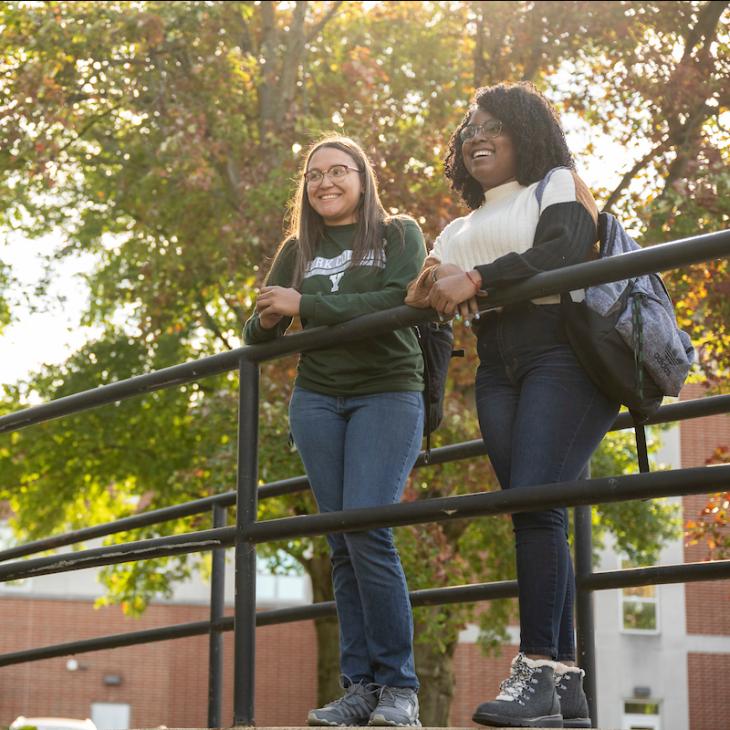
x=358, y=452
x=541, y=418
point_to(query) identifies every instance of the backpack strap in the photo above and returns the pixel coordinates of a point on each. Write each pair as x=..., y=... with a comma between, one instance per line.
x=641, y=450
x=540, y=189
x=426, y=394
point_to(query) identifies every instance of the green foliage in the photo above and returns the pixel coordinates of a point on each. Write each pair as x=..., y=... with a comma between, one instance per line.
x=639, y=528
x=163, y=138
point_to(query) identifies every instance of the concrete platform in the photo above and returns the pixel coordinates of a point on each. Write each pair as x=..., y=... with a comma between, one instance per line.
x=256, y=727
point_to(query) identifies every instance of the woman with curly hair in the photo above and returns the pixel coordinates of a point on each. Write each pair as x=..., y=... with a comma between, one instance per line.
x=356, y=412
x=540, y=415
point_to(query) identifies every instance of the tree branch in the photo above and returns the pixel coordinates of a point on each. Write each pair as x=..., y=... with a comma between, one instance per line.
x=629, y=176
x=210, y=322
x=315, y=30
x=709, y=17
x=89, y=126
x=238, y=311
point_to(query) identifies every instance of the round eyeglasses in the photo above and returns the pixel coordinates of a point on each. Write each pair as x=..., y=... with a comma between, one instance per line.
x=334, y=173
x=490, y=129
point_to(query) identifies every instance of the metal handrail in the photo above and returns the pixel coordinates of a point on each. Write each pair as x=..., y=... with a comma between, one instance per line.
x=678, y=482
x=656, y=258
x=669, y=413
x=248, y=532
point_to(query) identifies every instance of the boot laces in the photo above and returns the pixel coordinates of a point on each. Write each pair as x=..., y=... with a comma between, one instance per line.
x=517, y=683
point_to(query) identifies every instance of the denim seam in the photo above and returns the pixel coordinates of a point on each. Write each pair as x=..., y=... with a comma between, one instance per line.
x=405, y=607
x=401, y=477
x=576, y=431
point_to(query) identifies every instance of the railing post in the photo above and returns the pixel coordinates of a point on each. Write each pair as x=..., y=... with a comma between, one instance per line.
x=246, y=505
x=215, y=643
x=584, y=606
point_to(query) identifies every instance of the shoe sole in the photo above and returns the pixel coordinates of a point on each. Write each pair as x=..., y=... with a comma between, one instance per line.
x=577, y=722
x=380, y=721
x=504, y=721
x=319, y=722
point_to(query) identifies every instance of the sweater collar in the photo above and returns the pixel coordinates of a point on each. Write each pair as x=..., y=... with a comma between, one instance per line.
x=501, y=191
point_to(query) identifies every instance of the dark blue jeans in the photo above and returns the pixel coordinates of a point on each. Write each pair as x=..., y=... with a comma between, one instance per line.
x=358, y=452
x=541, y=418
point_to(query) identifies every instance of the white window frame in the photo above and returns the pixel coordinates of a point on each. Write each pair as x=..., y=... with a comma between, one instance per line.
x=623, y=599
x=631, y=720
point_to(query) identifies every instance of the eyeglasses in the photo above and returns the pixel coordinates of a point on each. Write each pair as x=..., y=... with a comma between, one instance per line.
x=490, y=129
x=335, y=173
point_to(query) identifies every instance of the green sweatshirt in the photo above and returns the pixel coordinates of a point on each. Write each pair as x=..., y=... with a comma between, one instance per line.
x=333, y=293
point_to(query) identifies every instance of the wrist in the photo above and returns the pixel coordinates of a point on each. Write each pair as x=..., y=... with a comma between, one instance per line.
x=475, y=278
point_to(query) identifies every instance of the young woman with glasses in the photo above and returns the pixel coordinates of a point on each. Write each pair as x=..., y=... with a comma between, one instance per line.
x=356, y=413
x=540, y=416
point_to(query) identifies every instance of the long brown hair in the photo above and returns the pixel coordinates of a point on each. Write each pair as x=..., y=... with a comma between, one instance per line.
x=307, y=226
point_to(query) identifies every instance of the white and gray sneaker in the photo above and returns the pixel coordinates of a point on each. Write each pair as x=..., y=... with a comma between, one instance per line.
x=397, y=706
x=353, y=708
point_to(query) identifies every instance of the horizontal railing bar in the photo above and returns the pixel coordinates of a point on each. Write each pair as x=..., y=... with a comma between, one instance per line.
x=714, y=405
x=158, y=547
x=121, y=390
x=660, y=257
x=678, y=482
x=424, y=597
x=655, y=258
x=675, y=483
x=656, y=574
x=282, y=487
x=145, y=519
x=698, y=408
x=114, y=641
x=124, y=524
x=608, y=580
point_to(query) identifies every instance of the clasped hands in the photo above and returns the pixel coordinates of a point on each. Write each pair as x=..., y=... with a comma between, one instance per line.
x=454, y=293
x=276, y=302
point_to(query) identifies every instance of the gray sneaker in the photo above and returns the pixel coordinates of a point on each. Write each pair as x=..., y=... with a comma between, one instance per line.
x=353, y=708
x=573, y=702
x=396, y=706
x=527, y=698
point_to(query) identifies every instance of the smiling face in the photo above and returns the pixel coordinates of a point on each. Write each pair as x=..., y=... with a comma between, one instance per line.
x=491, y=161
x=337, y=201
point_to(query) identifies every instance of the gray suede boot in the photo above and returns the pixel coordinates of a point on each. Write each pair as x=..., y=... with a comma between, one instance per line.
x=573, y=702
x=527, y=698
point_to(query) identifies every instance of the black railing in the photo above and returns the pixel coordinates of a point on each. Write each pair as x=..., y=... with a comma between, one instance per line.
x=248, y=532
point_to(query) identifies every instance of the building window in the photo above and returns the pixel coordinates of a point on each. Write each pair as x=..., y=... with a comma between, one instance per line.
x=640, y=715
x=639, y=607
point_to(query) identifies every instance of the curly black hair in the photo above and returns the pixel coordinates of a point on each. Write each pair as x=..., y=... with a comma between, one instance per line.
x=533, y=125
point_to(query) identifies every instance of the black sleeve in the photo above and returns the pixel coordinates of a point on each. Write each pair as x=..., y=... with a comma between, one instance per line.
x=565, y=235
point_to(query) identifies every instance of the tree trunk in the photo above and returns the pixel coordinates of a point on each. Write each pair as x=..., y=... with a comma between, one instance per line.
x=328, y=639
x=435, y=669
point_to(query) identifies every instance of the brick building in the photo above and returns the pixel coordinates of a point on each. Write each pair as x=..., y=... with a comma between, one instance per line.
x=663, y=653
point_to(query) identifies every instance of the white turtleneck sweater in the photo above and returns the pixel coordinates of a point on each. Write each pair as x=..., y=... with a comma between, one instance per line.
x=511, y=237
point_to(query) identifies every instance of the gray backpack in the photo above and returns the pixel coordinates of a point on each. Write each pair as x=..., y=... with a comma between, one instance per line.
x=646, y=321
x=625, y=333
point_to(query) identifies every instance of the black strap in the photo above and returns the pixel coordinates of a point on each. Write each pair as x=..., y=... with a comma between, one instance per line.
x=426, y=396
x=641, y=450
